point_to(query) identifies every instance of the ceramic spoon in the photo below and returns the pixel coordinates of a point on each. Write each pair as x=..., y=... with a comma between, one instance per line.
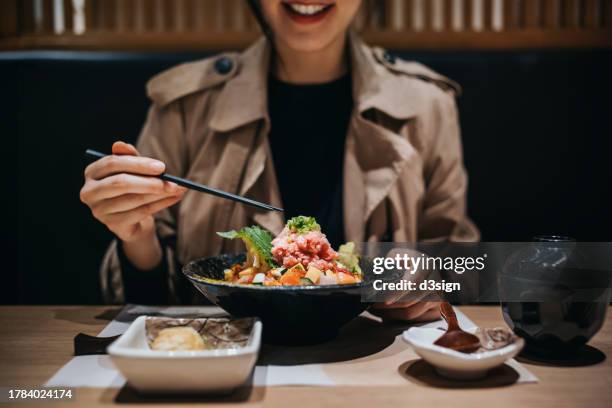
x=455, y=338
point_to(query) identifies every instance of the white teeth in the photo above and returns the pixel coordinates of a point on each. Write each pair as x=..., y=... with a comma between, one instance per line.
x=306, y=9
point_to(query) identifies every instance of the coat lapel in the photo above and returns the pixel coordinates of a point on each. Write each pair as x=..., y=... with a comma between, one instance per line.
x=260, y=179
x=354, y=194
x=375, y=155
x=243, y=101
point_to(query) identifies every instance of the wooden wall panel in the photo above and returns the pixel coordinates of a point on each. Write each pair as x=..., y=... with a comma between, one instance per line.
x=217, y=24
x=448, y=15
x=571, y=13
x=511, y=15
x=8, y=18
x=45, y=24
x=487, y=15
x=532, y=13
x=68, y=16
x=409, y=15
x=551, y=14
x=607, y=13
x=427, y=15
x=468, y=15
x=591, y=14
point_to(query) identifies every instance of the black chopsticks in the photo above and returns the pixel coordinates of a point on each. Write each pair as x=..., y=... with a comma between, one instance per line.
x=200, y=187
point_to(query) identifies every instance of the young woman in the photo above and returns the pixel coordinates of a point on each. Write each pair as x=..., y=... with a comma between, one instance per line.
x=308, y=118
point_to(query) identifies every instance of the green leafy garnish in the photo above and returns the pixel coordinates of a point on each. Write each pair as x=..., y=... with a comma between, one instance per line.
x=349, y=257
x=258, y=242
x=302, y=224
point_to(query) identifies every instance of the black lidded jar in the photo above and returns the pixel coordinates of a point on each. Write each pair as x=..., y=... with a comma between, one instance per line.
x=552, y=296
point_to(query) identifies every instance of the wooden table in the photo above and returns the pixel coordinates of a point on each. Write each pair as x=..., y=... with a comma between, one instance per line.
x=36, y=341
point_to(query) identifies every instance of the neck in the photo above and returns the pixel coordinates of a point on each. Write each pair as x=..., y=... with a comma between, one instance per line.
x=312, y=67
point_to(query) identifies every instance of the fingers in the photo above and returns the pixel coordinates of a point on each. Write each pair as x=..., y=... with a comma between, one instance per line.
x=118, y=221
x=120, y=184
x=407, y=298
x=430, y=315
x=115, y=164
x=122, y=148
x=127, y=202
x=394, y=305
x=412, y=297
x=419, y=312
x=123, y=194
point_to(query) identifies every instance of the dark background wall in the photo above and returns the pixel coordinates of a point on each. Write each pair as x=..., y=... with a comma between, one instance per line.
x=536, y=131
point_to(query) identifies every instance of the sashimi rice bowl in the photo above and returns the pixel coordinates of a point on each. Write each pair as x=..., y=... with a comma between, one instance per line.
x=296, y=283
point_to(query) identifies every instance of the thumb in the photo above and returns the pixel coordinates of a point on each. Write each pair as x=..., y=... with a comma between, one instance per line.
x=122, y=148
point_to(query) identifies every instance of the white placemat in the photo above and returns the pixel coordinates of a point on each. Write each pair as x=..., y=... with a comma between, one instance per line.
x=379, y=368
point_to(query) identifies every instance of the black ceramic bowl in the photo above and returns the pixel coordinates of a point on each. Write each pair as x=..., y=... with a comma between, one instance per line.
x=292, y=315
x=554, y=297
x=555, y=329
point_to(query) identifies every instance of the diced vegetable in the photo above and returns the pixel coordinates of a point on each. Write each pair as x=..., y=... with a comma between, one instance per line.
x=345, y=278
x=347, y=255
x=306, y=282
x=278, y=272
x=302, y=224
x=327, y=280
x=298, y=268
x=259, y=279
x=259, y=246
x=313, y=274
x=246, y=272
x=228, y=274
x=245, y=279
x=291, y=277
x=271, y=282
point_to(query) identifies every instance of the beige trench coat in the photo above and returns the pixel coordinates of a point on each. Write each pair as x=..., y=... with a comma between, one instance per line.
x=404, y=178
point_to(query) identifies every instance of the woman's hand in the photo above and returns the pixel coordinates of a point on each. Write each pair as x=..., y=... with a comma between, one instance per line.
x=123, y=194
x=414, y=311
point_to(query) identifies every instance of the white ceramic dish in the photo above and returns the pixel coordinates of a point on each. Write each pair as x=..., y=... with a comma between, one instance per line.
x=453, y=364
x=207, y=371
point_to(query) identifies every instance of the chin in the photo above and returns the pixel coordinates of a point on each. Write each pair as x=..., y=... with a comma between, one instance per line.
x=306, y=43
x=309, y=25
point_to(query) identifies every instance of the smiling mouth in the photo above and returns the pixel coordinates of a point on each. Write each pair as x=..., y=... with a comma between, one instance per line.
x=307, y=13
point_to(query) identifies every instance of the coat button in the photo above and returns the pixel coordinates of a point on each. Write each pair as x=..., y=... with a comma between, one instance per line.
x=223, y=65
x=390, y=58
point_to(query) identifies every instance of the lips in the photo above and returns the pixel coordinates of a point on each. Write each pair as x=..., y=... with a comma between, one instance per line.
x=307, y=13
